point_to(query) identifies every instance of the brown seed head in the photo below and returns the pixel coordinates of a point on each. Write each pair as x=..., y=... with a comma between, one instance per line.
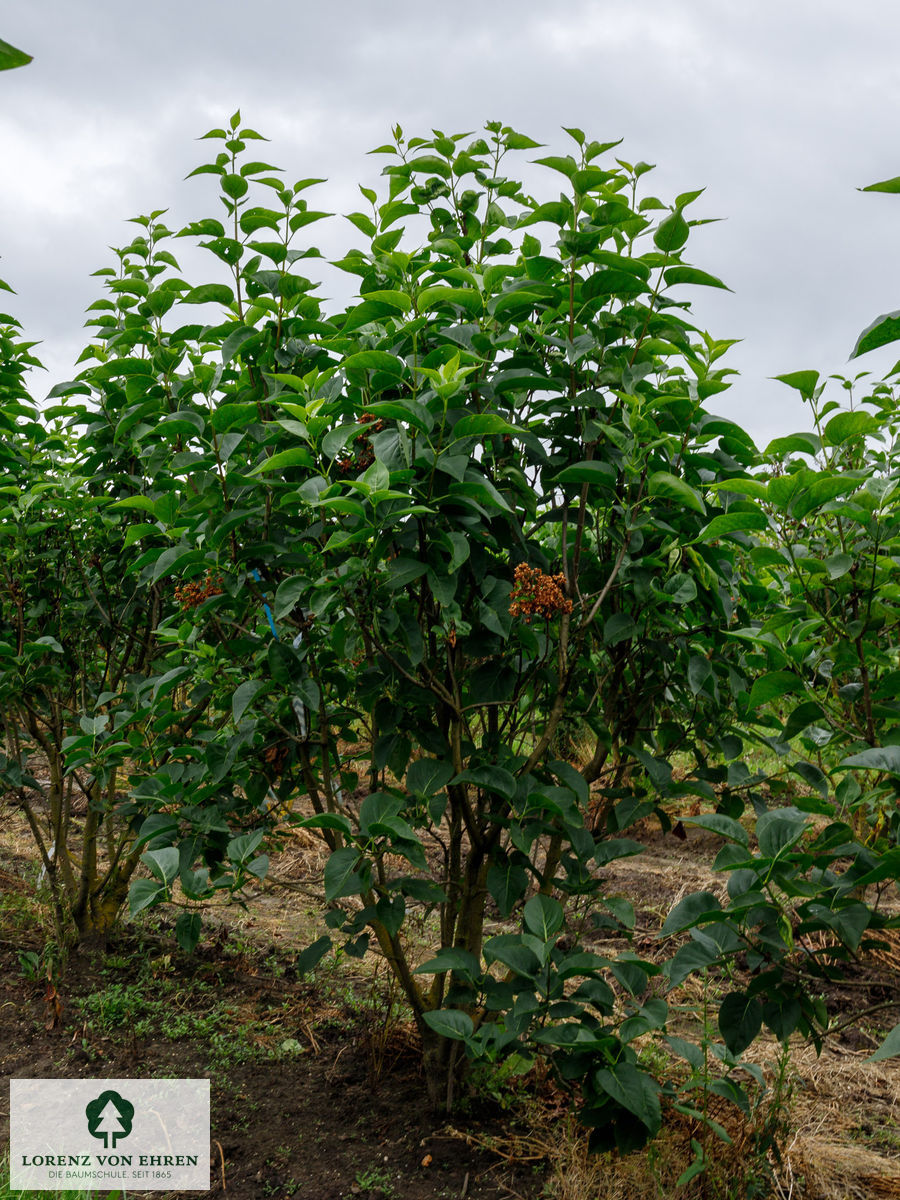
x=537, y=594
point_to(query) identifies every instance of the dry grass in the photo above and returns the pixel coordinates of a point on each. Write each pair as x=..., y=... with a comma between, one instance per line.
x=836, y=1123
x=574, y=1173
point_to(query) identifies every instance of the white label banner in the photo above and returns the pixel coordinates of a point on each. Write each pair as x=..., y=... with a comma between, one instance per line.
x=140, y=1135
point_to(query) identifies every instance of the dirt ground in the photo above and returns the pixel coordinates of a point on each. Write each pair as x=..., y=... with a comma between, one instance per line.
x=309, y=1121
x=316, y=1091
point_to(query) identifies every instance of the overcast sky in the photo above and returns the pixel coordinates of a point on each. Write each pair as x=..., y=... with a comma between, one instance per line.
x=780, y=108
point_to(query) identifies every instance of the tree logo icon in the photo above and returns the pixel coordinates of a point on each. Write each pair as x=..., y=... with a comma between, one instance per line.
x=109, y=1117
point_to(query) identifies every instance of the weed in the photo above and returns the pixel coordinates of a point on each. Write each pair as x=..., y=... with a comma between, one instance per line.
x=152, y=1006
x=116, y=1005
x=8, y=1193
x=117, y=962
x=30, y=962
x=376, y=1178
x=384, y=1012
x=504, y=1082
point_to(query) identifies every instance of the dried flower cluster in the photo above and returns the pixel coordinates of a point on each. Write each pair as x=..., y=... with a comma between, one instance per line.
x=193, y=593
x=275, y=756
x=363, y=455
x=537, y=594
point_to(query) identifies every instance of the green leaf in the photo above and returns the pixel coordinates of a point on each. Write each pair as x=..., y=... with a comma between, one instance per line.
x=814, y=776
x=848, y=425
x=618, y=628
x=428, y=776
x=772, y=686
x=591, y=179
x=822, y=490
x=520, y=141
x=804, y=382
x=672, y=233
x=557, y=212
x=744, y=487
x=891, y=186
x=681, y=588
x=235, y=341
x=10, y=57
x=794, y=443
x=363, y=223
x=375, y=808
x=740, y=1020
x=308, y=959
x=889, y=1048
x=690, y=911
x=403, y=410
x=450, y=1023
x=782, y=1017
x=426, y=891
x=341, y=875
x=430, y=298
x=543, y=917
x=601, y=474
x=143, y=893
x=89, y=725
x=136, y=533
x=675, y=275
x=779, y=829
x=803, y=715
x=733, y=522
x=51, y=644
x=298, y=456
x=209, y=293
x=699, y=672
x=634, y=1090
x=326, y=821
x=566, y=166
x=849, y=922
x=162, y=863
x=366, y=313
x=724, y=826
x=243, y=697
x=450, y=958
x=234, y=186
x=158, y=825
x=686, y=1050
x=284, y=665
x=187, y=931
x=242, y=847
x=611, y=849
x=391, y=911
x=287, y=596
x=670, y=487
x=174, y=559
x=884, y=329
x=509, y=949
x=480, y=425
x=837, y=565
x=490, y=779
x=876, y=758
x=144, y=503
x=402, y=571
x=374, y=360
x=693, y=956
x=507, y=883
